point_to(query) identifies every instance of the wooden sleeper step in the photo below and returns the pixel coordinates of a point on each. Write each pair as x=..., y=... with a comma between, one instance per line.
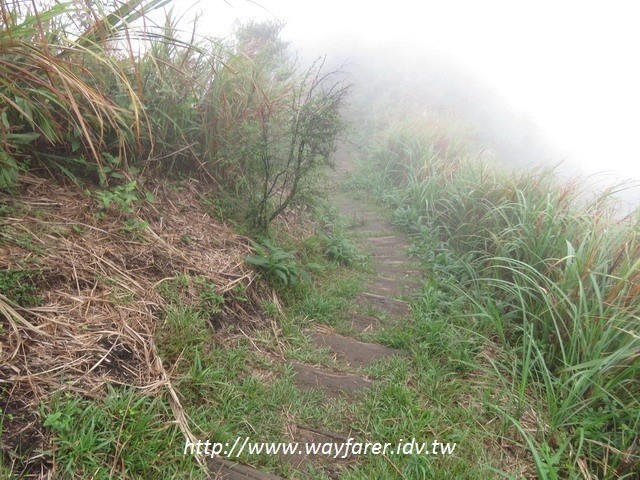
x=333, y=384
x=352, y=351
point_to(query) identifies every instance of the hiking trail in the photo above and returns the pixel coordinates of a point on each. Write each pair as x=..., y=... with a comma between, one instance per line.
x=394, y=278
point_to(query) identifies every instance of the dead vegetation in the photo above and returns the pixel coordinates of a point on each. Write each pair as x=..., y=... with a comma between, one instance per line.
x=103, y=290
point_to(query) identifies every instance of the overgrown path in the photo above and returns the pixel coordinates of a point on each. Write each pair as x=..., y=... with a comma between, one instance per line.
x=384, y=300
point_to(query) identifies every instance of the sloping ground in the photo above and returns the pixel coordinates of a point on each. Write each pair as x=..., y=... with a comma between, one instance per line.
x=81, y=297
x=384, y=306
x=104, y=278
x=91, y=300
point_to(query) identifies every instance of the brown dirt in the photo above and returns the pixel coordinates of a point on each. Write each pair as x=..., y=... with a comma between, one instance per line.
x=100, y=303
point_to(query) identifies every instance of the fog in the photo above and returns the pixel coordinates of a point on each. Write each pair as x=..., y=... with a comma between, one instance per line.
x=542, y=81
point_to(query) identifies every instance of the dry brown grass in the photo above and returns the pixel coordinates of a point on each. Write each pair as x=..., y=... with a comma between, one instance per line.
x=100, y=303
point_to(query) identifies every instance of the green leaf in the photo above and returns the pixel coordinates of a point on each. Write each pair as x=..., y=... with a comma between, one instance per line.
x=52, y=420
x=256, y=260
x=281, y=275
x=22, y=138
x=5, y=120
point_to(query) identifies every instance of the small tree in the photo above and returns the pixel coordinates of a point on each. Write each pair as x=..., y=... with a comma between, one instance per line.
x=297, y=136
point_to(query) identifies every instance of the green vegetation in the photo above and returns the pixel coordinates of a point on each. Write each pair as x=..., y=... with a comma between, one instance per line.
x=99, y=97
x=240, y=387
x=124, y=435
x=222, y=388
x=92, y=91
x=277, y=263
x=543, y=277
x=522, y=346
x=341, y=250
x=284, y=267
x=122, y=196
x=19, y=285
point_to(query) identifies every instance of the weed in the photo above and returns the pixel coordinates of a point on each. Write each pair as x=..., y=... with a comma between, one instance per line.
x=342, y=250
x=277, y=263
x=126, y=434
x=134, y=227
x=19, y=286
x=212, y=301
x=9, y=170
x=182, y=326
x=172, y=288
x=183, y=289
x=270, y=309
x=327, y=299
x=124, y=197
x=548, y=277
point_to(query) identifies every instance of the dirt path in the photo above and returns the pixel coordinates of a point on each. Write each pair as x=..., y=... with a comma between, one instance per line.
x=394, y=279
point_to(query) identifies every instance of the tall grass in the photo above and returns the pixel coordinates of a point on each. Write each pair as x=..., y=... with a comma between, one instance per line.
x=557, y=276
x=62, y=92
x=105, y=93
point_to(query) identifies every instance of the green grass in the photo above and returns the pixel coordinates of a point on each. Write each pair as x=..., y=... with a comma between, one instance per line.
x=524, y=343
x=549, y=277
x=103, y=92
x=19, y=286
x=234, y=384
x=125, y=434
x=326, y=301
x=239, y=388
x=438, y=391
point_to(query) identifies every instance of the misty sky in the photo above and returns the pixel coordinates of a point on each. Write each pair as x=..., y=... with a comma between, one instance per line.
x=569, y=66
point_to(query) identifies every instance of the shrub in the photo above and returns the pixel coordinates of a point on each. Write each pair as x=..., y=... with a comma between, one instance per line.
x=341, y=250
x=277, y=263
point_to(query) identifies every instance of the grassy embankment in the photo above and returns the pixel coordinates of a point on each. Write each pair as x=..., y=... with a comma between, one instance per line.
x=537, y=286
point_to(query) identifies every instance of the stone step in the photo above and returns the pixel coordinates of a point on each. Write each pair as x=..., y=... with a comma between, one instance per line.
x=224, y=469
x=347, y=206
x=384, y=304
x=373, y=226
x=392, y=270
x=351, y=211
x=386, y=250
x=387, y=241
x=362, y=323
x=352, y=351
x=333, y=384
x=393, y=287
x=302, y=434
x=389, y=252
x=392, y=261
